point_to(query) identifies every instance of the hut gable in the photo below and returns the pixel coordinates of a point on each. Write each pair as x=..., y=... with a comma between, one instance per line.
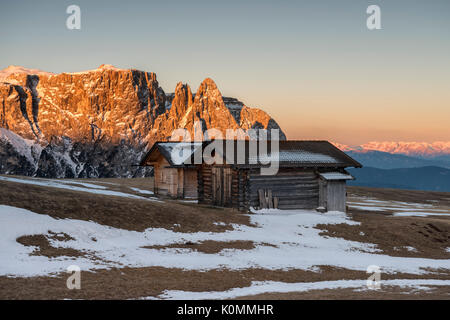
x=177, y=154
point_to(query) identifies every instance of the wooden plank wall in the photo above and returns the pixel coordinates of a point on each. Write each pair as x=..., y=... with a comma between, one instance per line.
x=294, y=189
x=238, y=183
x=227, y=182
x=180, y=183
x=166, y=179
x=190, y=183
x=322, y=193
x=216, y=185
x=243, y=190
x=205, y=184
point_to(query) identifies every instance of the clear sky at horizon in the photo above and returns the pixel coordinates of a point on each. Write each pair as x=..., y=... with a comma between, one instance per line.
x=312, y=65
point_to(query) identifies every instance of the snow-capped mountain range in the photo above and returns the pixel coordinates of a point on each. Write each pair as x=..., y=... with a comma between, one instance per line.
x=402, y=165
x=99, y=123
x=416, y=149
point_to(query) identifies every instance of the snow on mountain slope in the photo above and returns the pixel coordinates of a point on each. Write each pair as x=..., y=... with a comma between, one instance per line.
x=64, y=158
x=410, y=148
x=28, y=148
x=8, y=74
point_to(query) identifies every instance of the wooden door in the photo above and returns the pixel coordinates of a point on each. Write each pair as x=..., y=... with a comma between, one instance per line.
x=221, y=186
x=216, y=175
x=226, y=196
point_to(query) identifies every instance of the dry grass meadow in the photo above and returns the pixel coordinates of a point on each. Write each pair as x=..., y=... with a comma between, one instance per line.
x=429, y=235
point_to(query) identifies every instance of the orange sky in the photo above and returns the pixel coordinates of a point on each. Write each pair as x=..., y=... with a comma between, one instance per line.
x=404, y=116
x=312, y=65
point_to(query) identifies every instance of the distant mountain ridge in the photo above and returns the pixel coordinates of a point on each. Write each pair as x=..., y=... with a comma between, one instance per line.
x=392, y=155
x=401, y=165
x=417, y=149
x=98, y=123
x=423, y=178
x=385, y=160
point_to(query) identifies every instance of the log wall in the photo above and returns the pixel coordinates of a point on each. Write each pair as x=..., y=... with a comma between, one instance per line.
x=220, y=186
x=293, y=189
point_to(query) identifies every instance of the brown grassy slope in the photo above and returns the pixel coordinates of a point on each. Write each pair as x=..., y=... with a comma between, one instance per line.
x=134, y=283
x=208, y=246
x=429, y=235
x=386, y=293
x=122, y=184
x=44, y=248
x=118, y=212
x=386, y=231
x=415, y=196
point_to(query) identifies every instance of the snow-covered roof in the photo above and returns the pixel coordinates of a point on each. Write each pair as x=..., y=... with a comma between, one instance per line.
x=294, y=156
x=336, y=176
x=177, y=153
x=243, y=154
x=289, y=154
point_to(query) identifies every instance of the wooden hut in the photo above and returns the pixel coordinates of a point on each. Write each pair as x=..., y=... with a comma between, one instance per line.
x=172, y=177
x=310, y=175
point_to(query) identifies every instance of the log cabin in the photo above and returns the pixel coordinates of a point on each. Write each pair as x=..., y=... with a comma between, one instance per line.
x=310, y=175
x=172, y=176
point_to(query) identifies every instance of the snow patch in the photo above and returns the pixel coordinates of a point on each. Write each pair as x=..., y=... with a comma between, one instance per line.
x=66, y=185
x=420, y=214
x=293, y=240
x=261, y=287
x=141, y=190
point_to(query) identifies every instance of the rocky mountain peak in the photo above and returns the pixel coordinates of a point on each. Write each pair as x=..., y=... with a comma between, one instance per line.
x=182, y=100
x=85, y=121
x=208, y=90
